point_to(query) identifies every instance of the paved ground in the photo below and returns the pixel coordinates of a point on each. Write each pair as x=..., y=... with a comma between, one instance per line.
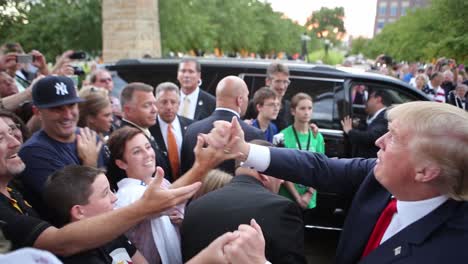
x=320, y=245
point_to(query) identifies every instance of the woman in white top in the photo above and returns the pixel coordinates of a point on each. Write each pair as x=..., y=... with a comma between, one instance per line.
x=157, y=238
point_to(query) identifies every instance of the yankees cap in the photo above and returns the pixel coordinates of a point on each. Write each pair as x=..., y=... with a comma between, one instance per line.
x=53, y=91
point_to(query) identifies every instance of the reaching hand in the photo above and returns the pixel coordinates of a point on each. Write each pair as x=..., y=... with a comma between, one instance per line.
x=347, y=124
x=156, y=200
x=249, y=247
x=40, y=62
x=88, y=147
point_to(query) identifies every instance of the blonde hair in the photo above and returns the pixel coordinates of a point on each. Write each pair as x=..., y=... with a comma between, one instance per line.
x=87, y=90
x=438, y=134
x=213, y=180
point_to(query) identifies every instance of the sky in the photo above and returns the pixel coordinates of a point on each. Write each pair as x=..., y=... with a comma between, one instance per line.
x=359, y=14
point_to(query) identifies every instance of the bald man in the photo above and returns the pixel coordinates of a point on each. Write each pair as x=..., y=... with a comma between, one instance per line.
x=232, y=98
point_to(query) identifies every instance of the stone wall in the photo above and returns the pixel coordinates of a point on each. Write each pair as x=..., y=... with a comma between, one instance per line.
x=130, y=29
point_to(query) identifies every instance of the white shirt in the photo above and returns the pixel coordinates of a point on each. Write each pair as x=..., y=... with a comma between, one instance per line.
x=145, y=130
x=229, y=110
x=407, y=212
x=375, y=115
x=193, y=96
x=176, y=130
x=410, y=212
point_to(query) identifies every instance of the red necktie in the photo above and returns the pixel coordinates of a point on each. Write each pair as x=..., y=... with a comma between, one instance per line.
x=173, y=152
x=380, y=227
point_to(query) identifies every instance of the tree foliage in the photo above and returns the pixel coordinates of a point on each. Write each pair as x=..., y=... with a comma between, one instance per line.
x=359, y=45
x=230, y=26
x=53, y=26
x=426, y=34
x=327, y=23
x=242, y=26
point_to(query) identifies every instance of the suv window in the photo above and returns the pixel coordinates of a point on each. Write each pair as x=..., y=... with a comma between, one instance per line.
x=325, y=93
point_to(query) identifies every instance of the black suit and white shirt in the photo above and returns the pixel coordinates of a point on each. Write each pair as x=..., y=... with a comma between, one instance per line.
x=205, y=126
x=363, y=140
x=202, y=104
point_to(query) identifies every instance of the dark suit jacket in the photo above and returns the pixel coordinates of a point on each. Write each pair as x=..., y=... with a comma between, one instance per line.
x=158, y=137
x=363, y=141
x=236, y=203
x=439, y=237
x=206, y=104
x=115, y=174
x=205, y=126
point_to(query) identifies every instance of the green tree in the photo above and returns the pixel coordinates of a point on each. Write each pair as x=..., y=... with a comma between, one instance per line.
x=415, y=37
x=359, y=45
x=53, y=26
x=327, y=23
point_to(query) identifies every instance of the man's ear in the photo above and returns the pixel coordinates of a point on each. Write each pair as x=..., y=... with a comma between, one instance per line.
x=121, y=164
x=36, y=111
x=257, y=106
x=76, y=212
x=427, y=173
x=263, y=178
x=267, y=81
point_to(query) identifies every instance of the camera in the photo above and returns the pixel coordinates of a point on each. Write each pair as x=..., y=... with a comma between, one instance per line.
x=77, y=70
x=78, y=55
x=24, y=58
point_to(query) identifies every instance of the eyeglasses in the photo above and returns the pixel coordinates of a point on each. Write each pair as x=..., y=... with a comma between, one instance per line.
x=15, y=126
x=276, y=105
x=285, y=82
x=105, y=80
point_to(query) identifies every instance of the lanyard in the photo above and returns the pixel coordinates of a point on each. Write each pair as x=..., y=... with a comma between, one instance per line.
x=297, y=138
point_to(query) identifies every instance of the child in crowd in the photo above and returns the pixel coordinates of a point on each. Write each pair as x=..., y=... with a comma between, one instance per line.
x=268, y=105
x=300, y=136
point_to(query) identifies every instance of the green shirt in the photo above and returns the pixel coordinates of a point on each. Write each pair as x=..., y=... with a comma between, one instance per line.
x=315, y=144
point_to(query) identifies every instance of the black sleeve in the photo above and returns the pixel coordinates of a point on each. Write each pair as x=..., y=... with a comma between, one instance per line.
x=131, y=249
x=21, y=230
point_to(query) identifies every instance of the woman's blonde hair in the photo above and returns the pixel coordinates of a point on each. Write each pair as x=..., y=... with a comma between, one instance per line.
x=213, y=180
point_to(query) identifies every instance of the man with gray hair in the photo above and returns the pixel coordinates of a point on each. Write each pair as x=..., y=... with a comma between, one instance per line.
x=170, y=127
x=459, y=96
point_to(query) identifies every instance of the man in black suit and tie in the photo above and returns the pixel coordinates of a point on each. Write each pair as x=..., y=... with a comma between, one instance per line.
x=250, y=195
x=195, y=103
x=169, y=129
x=409, y=205
x=138, y=110
x=363, y=137
x=232, y=97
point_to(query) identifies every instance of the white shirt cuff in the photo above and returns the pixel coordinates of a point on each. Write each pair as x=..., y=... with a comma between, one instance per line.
x=258, y=158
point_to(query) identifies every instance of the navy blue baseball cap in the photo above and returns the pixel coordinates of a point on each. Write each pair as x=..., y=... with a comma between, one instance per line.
x=53, y=91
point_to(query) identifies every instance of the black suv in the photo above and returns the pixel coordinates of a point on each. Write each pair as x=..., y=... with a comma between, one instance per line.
x=331, y=89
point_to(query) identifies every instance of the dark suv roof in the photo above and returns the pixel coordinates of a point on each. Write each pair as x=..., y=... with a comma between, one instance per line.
x=143, y=70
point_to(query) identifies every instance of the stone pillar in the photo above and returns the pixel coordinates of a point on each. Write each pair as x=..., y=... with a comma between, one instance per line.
x=130, y=29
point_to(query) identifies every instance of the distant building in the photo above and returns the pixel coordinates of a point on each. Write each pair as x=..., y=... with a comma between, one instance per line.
x=389, y=11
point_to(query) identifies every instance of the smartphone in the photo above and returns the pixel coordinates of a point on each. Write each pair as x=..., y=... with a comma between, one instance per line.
x=24, y=58
x=78, y=55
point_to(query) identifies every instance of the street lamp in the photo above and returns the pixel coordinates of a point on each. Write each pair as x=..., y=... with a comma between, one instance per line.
x=304, y=39
x=327, y=46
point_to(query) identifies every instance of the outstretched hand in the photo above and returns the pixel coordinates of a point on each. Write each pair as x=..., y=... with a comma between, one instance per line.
x=88, y=147
x=156, y=199
x=249, y=247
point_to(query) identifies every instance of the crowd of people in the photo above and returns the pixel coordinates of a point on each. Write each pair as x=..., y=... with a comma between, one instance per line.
x=171, y=174
x=445, y=81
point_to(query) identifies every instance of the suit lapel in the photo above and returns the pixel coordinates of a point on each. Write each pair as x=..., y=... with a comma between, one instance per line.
x=401, y=245
x=157, y=134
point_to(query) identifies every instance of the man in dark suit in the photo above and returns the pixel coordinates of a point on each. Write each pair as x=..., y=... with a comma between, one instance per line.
x=363, y=137
x=250, y=195
x=195, y=103
x=167, y=102
x=138, y=110
x=425, y=175
x=232, y=98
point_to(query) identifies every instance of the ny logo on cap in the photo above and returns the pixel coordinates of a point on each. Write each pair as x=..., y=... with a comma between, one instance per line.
x=61, y=88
